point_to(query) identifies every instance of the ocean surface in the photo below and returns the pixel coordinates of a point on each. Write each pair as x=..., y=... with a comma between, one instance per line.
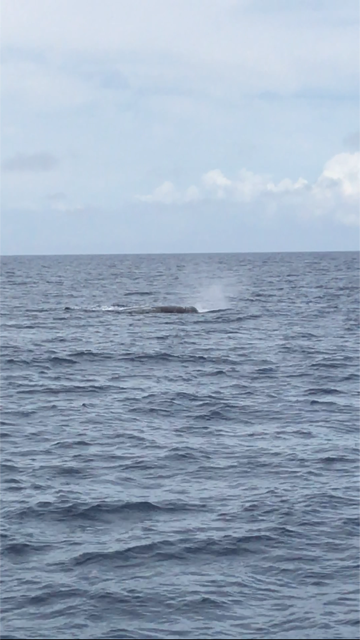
x=180, y=475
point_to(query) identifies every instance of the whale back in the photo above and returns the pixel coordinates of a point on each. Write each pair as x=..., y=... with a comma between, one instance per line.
x=174, y=309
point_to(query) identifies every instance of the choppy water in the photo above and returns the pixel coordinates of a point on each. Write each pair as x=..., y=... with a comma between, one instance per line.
x=180, y=476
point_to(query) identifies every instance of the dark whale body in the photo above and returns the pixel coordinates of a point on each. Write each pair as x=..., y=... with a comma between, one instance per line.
x=173, y=309
x=168, y=308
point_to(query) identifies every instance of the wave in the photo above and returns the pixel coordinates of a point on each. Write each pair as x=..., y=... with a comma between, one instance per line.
x=183, y=550
x=103, y=511
x=21, y=549
x=314, y=391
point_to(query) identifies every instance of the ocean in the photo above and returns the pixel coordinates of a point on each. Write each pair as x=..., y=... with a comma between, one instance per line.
x=175, y=475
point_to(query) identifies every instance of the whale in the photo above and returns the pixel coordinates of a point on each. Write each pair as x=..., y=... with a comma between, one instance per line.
x=170, y=308
x=167, y=308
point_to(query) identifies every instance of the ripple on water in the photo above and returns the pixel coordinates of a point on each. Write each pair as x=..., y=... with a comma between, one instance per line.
x=180, y=476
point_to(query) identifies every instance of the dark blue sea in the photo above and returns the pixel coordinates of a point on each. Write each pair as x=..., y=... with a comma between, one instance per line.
x=188, y=475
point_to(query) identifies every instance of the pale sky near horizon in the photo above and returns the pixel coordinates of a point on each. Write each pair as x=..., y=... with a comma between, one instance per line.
x=144, y=126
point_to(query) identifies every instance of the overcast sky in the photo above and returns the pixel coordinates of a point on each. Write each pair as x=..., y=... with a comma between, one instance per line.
x=133, y=126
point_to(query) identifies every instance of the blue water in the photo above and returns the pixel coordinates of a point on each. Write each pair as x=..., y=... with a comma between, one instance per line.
x=180, y=476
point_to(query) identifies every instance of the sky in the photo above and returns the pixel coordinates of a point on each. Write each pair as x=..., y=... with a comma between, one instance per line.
x=150, y=126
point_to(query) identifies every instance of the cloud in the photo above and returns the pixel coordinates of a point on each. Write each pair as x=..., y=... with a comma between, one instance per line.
x=32, y=162
x=260, y=46
x=155, y=94
x=335, y=192
x=60, y=203
x=166, y=194
x=342, y=172
x=74, y=208
x=247, y=187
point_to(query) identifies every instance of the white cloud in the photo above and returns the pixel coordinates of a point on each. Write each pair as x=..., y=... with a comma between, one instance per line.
x=336, y=191
x=166, y=194
x=192, y=194
x=233, y=43
x=247, y=187
x=74, y=209
x=343, y=172
x=59, y=202
x=215, y=182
